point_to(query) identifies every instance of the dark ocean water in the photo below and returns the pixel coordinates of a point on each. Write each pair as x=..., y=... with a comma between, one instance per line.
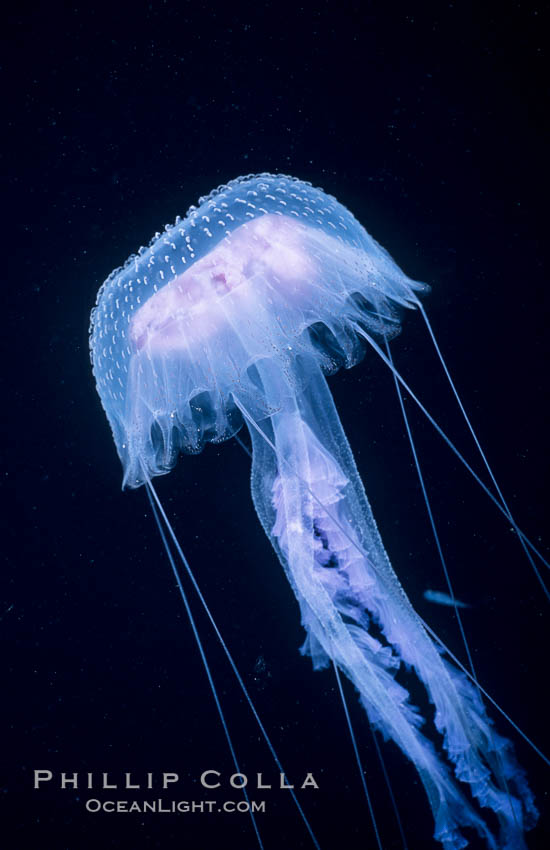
x=430, y=124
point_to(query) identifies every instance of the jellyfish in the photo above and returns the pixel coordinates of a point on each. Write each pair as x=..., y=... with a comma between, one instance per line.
x=234, y=316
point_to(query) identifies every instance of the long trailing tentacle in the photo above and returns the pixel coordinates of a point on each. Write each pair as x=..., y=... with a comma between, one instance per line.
x=159, y=513
x=496, y=500
x=204, y=660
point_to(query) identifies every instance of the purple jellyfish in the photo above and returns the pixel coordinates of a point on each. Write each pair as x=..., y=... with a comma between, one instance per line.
x=235, y=315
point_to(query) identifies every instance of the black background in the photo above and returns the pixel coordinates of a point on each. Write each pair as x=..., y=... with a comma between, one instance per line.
x=429, y=122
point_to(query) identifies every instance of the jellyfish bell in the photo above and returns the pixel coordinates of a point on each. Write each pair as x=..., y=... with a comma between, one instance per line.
x=226, y=285
x=238, y=281
x=235, y=315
